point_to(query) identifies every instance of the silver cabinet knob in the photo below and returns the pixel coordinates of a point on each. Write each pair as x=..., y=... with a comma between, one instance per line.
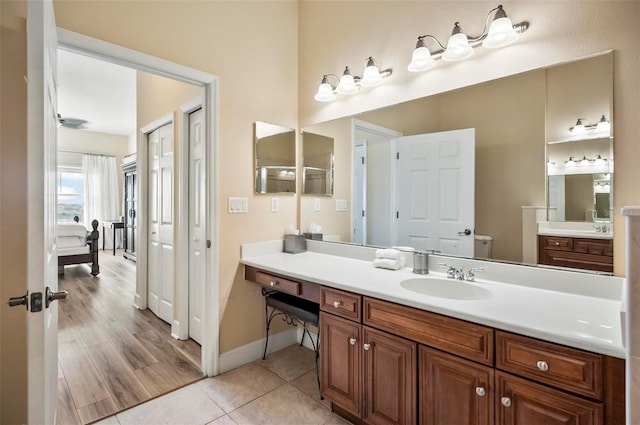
x=366, y=347
x=352, y=341
x=506, y=401
x=480, y=391
x=273, y=283
x=542, y=365
x=336, y=304
x=557, y=243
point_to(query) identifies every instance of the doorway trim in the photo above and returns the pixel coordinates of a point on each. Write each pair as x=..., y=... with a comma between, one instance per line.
x=99, y=49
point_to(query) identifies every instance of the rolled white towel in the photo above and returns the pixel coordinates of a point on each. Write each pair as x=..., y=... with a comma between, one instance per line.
x=390, y=253
x=389, y=263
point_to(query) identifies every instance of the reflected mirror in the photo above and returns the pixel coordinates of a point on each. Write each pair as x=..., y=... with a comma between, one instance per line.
x=275, y=158
x=317, y=164
x=509, y=117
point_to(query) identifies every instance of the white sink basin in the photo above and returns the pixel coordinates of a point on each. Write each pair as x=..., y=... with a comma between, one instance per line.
x=446, y=288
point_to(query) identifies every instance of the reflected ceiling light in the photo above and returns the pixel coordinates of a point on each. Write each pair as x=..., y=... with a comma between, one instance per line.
x=603, y=126
x=350, y=84
x=500, y=33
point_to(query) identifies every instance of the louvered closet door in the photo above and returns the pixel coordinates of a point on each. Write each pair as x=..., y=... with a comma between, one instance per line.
x=161, y=217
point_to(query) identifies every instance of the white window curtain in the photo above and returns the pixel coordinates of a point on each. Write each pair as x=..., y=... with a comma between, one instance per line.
x=101, y=195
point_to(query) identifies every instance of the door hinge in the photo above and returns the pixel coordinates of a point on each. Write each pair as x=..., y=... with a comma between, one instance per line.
x=208, y=243
x=397, y=214
x=362, y=158
x=363, y=213
x=397, y=155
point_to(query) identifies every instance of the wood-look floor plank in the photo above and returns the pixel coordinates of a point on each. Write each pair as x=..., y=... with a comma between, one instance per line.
x=66, y=414
x=183, y=368
x=100, y=313
x=122, y=383
x=98, y=410
x=129, y=347
x=85, y=384
x=158, y=379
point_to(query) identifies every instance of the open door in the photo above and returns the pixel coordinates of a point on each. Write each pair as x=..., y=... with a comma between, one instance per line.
x=434, y=192
x=42, y=277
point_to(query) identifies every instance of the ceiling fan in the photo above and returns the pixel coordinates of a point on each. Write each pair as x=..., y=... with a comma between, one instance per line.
x=73, y=123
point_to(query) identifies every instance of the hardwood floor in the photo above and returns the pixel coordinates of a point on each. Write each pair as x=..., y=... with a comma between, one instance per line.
x=112, y=356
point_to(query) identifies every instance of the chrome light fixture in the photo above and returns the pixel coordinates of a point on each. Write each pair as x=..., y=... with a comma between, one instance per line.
x=500, y=33
x=350, y=84
x=602, y=127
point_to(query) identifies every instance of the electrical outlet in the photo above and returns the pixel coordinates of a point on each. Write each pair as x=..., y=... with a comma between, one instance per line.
x=316, y=205
x=275, y=204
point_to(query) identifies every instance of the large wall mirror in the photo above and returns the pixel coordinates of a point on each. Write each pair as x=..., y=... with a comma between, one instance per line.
x=510, y=119
x=317, y=164
x=275, y=158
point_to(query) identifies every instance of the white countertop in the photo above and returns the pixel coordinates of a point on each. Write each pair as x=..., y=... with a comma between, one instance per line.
x=575, y=229
x=590, y=234
x=590, y=322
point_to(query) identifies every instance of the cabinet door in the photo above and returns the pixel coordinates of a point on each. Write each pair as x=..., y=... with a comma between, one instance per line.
x=454, y=390
x=340, y=357
x=390, y=375
x=521, y=402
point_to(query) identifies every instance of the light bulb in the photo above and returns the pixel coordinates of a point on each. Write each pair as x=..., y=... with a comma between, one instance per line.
x=603, y=126
x=458, y=47
x=421, y=59
x=347, y=83
x=371, y=76
x=579, y=128
x=501, y=32
x=325, y=91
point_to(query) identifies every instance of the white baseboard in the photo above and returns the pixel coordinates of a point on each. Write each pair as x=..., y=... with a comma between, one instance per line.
x=136, y=301
x=253, y=351
x=177, y=332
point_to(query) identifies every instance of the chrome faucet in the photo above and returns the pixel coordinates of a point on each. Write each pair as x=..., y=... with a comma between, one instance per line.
x=458, y=273
x=602, y=229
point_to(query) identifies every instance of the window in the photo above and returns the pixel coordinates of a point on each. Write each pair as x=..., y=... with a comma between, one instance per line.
x=70, y=193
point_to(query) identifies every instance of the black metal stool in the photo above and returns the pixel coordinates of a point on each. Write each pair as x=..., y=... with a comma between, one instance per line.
x=294, y=311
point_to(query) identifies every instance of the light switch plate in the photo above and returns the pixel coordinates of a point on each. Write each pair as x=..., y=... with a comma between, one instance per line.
x=275, y=204
x=238, y=205
x=316, y=205
x=341, y=204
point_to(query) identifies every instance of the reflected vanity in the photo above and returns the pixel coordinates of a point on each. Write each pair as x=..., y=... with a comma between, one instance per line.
x=275, y=158
x=514, y=119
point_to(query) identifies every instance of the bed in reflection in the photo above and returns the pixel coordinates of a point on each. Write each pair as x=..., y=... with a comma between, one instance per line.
x=76, y=245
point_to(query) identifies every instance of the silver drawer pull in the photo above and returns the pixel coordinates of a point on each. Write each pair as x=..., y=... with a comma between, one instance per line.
x=480, y=391
x=557, y=243
x=542, y=365
x=336, y=304
x=366, y=347
x=506, y=401
x=273, y=283
x=352, y=341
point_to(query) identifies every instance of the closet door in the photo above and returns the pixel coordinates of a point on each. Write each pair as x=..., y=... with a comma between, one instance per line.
x=160, y=239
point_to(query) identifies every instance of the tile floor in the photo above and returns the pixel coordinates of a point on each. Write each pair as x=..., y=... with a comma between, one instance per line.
x=280, y=390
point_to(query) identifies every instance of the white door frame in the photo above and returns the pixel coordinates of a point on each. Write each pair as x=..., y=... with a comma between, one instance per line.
x=102, y=50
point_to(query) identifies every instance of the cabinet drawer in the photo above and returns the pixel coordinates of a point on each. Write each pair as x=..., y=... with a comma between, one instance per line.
x=279, y=283
x=563, y=367
x=474, y=342
x=556, y=243
x=341, y=303
x=594, y=247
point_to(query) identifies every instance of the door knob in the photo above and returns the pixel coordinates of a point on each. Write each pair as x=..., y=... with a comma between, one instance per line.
x=16, y=301
x=466, y=232
x=53, y=296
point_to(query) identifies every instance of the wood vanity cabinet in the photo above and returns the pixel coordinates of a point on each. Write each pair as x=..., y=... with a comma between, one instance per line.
x=369, y=373
x=580, y=253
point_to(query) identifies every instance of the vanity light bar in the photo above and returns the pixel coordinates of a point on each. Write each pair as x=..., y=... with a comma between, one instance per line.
x=602, y=126
x=372, y=76
x=501, y=32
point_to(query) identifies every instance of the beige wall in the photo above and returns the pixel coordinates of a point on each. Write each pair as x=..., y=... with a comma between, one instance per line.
x=559, y=31
x=82, y=141
x=13, y=217
x=253, y=48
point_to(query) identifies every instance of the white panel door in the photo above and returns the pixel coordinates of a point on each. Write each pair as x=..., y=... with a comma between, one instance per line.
x=197, y=242
x=42, y=261
x=360, y=192
x=434, y=191
x=161, y=276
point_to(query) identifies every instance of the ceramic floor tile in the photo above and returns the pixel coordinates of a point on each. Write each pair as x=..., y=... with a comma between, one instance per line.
x=188, y=406
x=223, y=420
x=285, y=405
x=240, y=386
x=308, y=384
x=291, y=362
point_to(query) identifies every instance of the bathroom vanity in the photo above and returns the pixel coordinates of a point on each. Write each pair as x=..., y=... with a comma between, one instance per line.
x=520, y=345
